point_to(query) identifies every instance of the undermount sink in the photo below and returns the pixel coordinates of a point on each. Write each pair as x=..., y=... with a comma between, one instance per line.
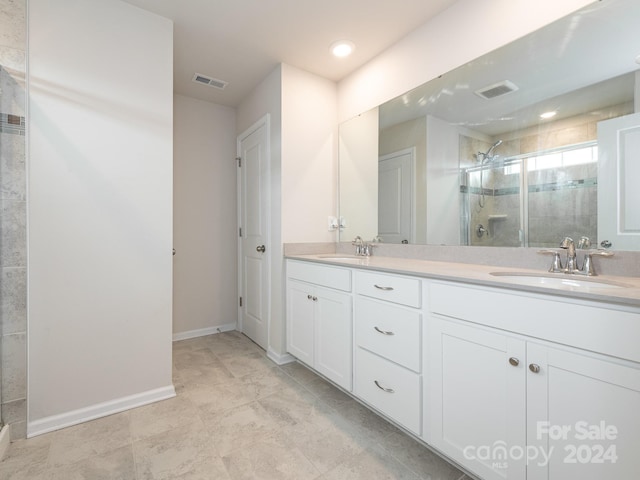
x=342, y=258
x=559, y=280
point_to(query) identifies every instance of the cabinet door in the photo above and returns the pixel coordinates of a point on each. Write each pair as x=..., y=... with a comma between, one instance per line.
x=583, y=415
x=477, y=395
x=300, y=314
x=333, y=336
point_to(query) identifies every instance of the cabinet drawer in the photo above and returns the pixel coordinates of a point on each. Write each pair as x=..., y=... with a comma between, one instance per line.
x=393, y=288
x=402, y=402
x=327, y=276
x=553, y=318
x=389, y=330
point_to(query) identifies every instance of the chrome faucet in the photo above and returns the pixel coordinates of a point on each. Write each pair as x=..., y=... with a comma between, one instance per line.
x=570, y=247
x=359, y=244
x=572, y=262
x=362, y=248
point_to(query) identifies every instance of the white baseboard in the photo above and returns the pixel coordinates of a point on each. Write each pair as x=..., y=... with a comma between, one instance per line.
x=56, y=422
x=5, y=439
x=280, y=359
x=203, y=331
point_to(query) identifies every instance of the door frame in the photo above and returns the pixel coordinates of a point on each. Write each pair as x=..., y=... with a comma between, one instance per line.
x=266, y=122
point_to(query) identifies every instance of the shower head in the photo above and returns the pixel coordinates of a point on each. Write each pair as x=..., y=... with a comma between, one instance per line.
x=493, y=147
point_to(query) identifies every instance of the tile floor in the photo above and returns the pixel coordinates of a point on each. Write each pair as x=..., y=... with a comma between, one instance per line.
x=236, y=416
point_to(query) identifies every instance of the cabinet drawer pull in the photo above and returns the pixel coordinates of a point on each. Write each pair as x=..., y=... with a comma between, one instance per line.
x=383, y=332
x=386, y=289
x=388, y=390
x=514, y=361
x=315, y=299
x=309, y=297
x=534, y=368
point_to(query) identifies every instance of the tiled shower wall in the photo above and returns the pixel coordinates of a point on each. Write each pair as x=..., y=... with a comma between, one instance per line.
x=556, y=209
x=13, y=244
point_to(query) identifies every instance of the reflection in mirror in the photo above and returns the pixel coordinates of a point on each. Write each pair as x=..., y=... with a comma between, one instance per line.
x=506, y=152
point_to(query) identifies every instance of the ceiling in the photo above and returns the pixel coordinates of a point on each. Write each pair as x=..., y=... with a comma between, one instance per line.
x=242, y=41
x=579, y=64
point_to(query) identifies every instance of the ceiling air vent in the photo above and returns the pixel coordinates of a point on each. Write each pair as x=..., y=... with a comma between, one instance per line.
x=212, y=82
x=496, y=90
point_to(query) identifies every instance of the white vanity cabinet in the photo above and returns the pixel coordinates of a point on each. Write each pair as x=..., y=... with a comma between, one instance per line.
x=585, y=410
x=477, y=395
x=388, y=350
x=495, y=393
x=319, y=323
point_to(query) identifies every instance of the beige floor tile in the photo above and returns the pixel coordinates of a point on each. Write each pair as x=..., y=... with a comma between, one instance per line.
x=163, y=416
x=202, y=374
x=185, y=358
x=185, y=452
x=240, y=427
x=244, y=364
x=273, y=458
x=89, y=439
x=24, y=471
x=300, y=373
x=372, y=463
x=215, y=399
x=293, y=407
x=363, y=421
x=115, y=465
x=262, y=384
x=418, y=458
x=328, y=393
x=326, y=446
x=237, y=416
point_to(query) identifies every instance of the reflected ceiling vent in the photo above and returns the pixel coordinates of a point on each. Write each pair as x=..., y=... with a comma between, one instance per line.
x=212, y=82
x=496, y=90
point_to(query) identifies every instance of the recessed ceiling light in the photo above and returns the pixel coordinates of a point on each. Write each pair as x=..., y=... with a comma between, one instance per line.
x=547, y=115
x=342, y=49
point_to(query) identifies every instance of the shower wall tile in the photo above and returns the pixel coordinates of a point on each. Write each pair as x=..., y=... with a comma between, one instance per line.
x=15, y=411
x=12, y=167
x=14, y=362
x=12, y=19
x=13, y=222
x=13, y=300
x=13, y=246
x=13, y=60
x=13, y=98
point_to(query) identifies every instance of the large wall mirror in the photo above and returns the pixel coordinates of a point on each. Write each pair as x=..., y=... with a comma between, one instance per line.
x=530, y=143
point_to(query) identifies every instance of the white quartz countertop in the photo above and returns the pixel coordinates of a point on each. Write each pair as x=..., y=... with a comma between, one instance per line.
x=619, y=290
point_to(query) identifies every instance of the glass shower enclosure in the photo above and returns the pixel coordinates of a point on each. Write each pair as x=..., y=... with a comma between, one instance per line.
x=530, y=200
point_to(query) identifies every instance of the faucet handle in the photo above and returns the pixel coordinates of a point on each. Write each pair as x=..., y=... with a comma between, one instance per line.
x=587, y=267
x=556, y=263
x=584, y=243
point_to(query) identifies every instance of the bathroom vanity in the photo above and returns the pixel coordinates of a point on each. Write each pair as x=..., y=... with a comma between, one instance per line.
x=511, y=374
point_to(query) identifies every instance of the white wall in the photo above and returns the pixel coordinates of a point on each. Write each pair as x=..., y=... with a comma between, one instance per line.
x=303, y=114
x=443, y=183
x=309, y=156
x=100, y=209
x=267, y=99
x=466, y=30
x=204, y=206
x=359, y=176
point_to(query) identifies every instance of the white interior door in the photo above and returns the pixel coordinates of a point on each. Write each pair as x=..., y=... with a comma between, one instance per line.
x=395, y=197
x=618, y=174
x=254, y=248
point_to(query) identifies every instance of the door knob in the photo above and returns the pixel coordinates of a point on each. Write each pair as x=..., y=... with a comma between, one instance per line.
x=260, y=248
